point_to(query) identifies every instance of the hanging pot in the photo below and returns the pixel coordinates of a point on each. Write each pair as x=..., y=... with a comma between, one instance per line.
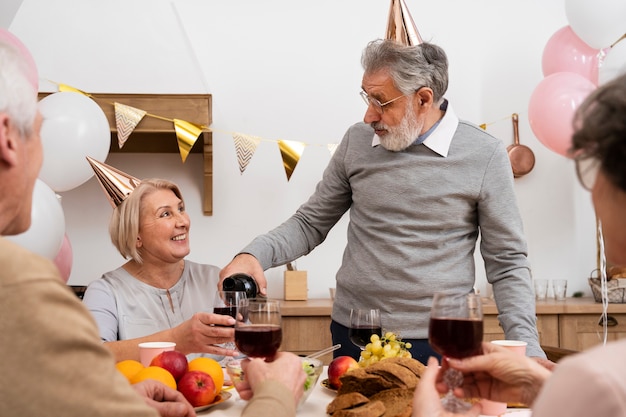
x=521, y=156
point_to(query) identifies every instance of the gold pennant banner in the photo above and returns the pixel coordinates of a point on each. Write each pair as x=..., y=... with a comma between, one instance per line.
x=187, y=133
x=290, y=151
x=245, y=147
x=126, y=119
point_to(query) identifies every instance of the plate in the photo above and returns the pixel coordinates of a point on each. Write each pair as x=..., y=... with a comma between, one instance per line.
x=326, y=384
x=224, y=395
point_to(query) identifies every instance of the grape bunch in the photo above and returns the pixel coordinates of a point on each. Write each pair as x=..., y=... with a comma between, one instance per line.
x=379, y=348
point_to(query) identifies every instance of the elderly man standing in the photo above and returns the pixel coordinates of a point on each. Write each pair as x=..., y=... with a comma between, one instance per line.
x=420, y=185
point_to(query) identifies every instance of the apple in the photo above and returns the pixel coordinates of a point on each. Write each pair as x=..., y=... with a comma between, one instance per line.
x=338, y=367
x=172, y=361
x=197, y=387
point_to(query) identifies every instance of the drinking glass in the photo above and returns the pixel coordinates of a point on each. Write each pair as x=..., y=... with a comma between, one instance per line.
x=455, y=331
x=225, y=302
x=363, y=324
x=258, y=331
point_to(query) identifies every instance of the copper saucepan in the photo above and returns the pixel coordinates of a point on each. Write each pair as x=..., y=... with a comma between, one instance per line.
x=521, y=156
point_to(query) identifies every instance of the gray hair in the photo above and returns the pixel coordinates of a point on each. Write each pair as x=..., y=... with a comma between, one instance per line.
x=17, y=95
x=410, y=67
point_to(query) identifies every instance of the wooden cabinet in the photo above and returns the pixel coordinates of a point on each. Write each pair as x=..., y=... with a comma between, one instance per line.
x=547, y=327
x=582, y=331
x=571, y=324
x=306, y=327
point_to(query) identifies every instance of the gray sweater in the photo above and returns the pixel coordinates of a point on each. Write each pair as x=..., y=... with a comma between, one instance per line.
x=415, y=217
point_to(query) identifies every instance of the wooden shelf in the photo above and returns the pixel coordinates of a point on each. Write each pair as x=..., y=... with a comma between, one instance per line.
x=154, y=135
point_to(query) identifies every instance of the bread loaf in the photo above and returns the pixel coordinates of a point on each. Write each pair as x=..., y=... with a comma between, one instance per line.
x=369, y=409
x=398, y=402
x=345, y=401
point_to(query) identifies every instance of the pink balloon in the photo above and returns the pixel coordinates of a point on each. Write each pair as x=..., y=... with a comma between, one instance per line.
x=566, y=52
x=31, y=67
x=64, y=259
x=552, y=106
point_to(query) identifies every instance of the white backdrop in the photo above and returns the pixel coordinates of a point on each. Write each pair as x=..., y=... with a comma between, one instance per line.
x=280, y=69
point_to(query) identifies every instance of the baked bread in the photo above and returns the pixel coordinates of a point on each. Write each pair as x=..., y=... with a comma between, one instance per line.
x=364, y=382
x=369, y=409
x=345, y=401
x=398, y=375
x=398, y=402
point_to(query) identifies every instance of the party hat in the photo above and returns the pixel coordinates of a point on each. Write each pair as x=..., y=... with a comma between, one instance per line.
x=116, y=184
x=400, y=26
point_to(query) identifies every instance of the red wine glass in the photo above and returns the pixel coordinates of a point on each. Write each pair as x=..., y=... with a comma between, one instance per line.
x=258, y=331
x=455, y=331
x=363, y=324
x=225, y=303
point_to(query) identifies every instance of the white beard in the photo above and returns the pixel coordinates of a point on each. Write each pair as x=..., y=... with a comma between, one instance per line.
x=402, y=136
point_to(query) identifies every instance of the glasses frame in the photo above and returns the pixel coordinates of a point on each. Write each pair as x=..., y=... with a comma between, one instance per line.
x=378, y=106
x=587, y=168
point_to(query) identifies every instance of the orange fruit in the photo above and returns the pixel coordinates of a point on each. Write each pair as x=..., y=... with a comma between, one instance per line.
x=211, y=367
x=129, y=367
x=156, y=373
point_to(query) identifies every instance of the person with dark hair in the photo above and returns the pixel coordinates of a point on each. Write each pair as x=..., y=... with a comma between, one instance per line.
x=591, y=382
x=420, y=186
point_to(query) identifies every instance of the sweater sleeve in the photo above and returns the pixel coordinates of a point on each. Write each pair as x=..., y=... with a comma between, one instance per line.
x=271, y=399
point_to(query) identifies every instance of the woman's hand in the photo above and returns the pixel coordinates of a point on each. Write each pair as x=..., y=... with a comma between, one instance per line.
x=203, y=332
x=427, y=399
x=499, y=375
x=286, y=368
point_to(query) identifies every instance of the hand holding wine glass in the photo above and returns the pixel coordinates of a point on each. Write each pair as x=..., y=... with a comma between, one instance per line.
x=456, y=331
x=258, y=331
x=225, y=302
x=363, y=324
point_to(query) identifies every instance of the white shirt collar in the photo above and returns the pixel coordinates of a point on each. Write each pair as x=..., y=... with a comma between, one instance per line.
x=440, y=139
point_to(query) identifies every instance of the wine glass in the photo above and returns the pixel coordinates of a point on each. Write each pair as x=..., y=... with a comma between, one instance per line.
x=455, y=331
x=258, y=331
x=225, y=302
x=363, y=324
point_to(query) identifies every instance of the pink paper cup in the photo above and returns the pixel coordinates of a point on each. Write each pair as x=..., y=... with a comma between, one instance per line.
x=148, y=350
x=494, y=408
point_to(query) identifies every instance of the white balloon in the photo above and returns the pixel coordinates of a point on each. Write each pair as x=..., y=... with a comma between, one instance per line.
x=614, y=63
x=74, y=127
x=599, y=23
x=47, y=229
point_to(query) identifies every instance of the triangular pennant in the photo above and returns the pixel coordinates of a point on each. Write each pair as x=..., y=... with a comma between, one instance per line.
x=245, y=146
x=117, y=185
x=64, y=88
x=187, y=133
x=290, y=151
x=332, y=147
x=483, y=126
x=400, y=25
x=126, y=119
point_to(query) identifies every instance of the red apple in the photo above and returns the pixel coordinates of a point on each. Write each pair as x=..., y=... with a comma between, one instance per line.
x=197, y=387
x=172, y=361
x=339, y=366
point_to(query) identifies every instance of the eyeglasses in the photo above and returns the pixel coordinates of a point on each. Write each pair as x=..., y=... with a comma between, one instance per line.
x=378, y=106
x=587, y=168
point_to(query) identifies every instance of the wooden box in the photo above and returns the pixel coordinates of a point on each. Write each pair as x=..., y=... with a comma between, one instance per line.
x=295, y=285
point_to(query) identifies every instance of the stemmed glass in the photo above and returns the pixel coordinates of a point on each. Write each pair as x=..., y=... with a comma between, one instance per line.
x=455, y=331
x=258, y=331
x=225, y=303
x=363, y=324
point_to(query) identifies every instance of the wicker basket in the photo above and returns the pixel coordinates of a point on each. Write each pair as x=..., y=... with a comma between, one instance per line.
x=615, y=290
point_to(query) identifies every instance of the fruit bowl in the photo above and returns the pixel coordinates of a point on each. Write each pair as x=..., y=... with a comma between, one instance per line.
x=312, y=368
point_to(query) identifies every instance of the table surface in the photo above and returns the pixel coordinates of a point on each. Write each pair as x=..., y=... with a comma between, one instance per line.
x=315, y=405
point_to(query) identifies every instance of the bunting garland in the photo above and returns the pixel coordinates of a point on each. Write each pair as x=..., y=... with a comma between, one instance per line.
x=127, y=118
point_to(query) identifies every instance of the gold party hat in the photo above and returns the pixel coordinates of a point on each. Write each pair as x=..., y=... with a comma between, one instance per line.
x=116, y=184
x=400, y=26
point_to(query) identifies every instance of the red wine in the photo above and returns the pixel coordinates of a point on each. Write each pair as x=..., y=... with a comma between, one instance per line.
x=226, y=311
x=456, y=338
x=360, y=336
x=258, y=340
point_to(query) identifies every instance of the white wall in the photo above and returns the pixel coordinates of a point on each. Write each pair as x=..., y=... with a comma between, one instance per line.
x=282, y=69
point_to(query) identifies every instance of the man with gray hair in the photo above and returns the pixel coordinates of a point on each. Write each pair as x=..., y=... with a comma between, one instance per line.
x=421, y=186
